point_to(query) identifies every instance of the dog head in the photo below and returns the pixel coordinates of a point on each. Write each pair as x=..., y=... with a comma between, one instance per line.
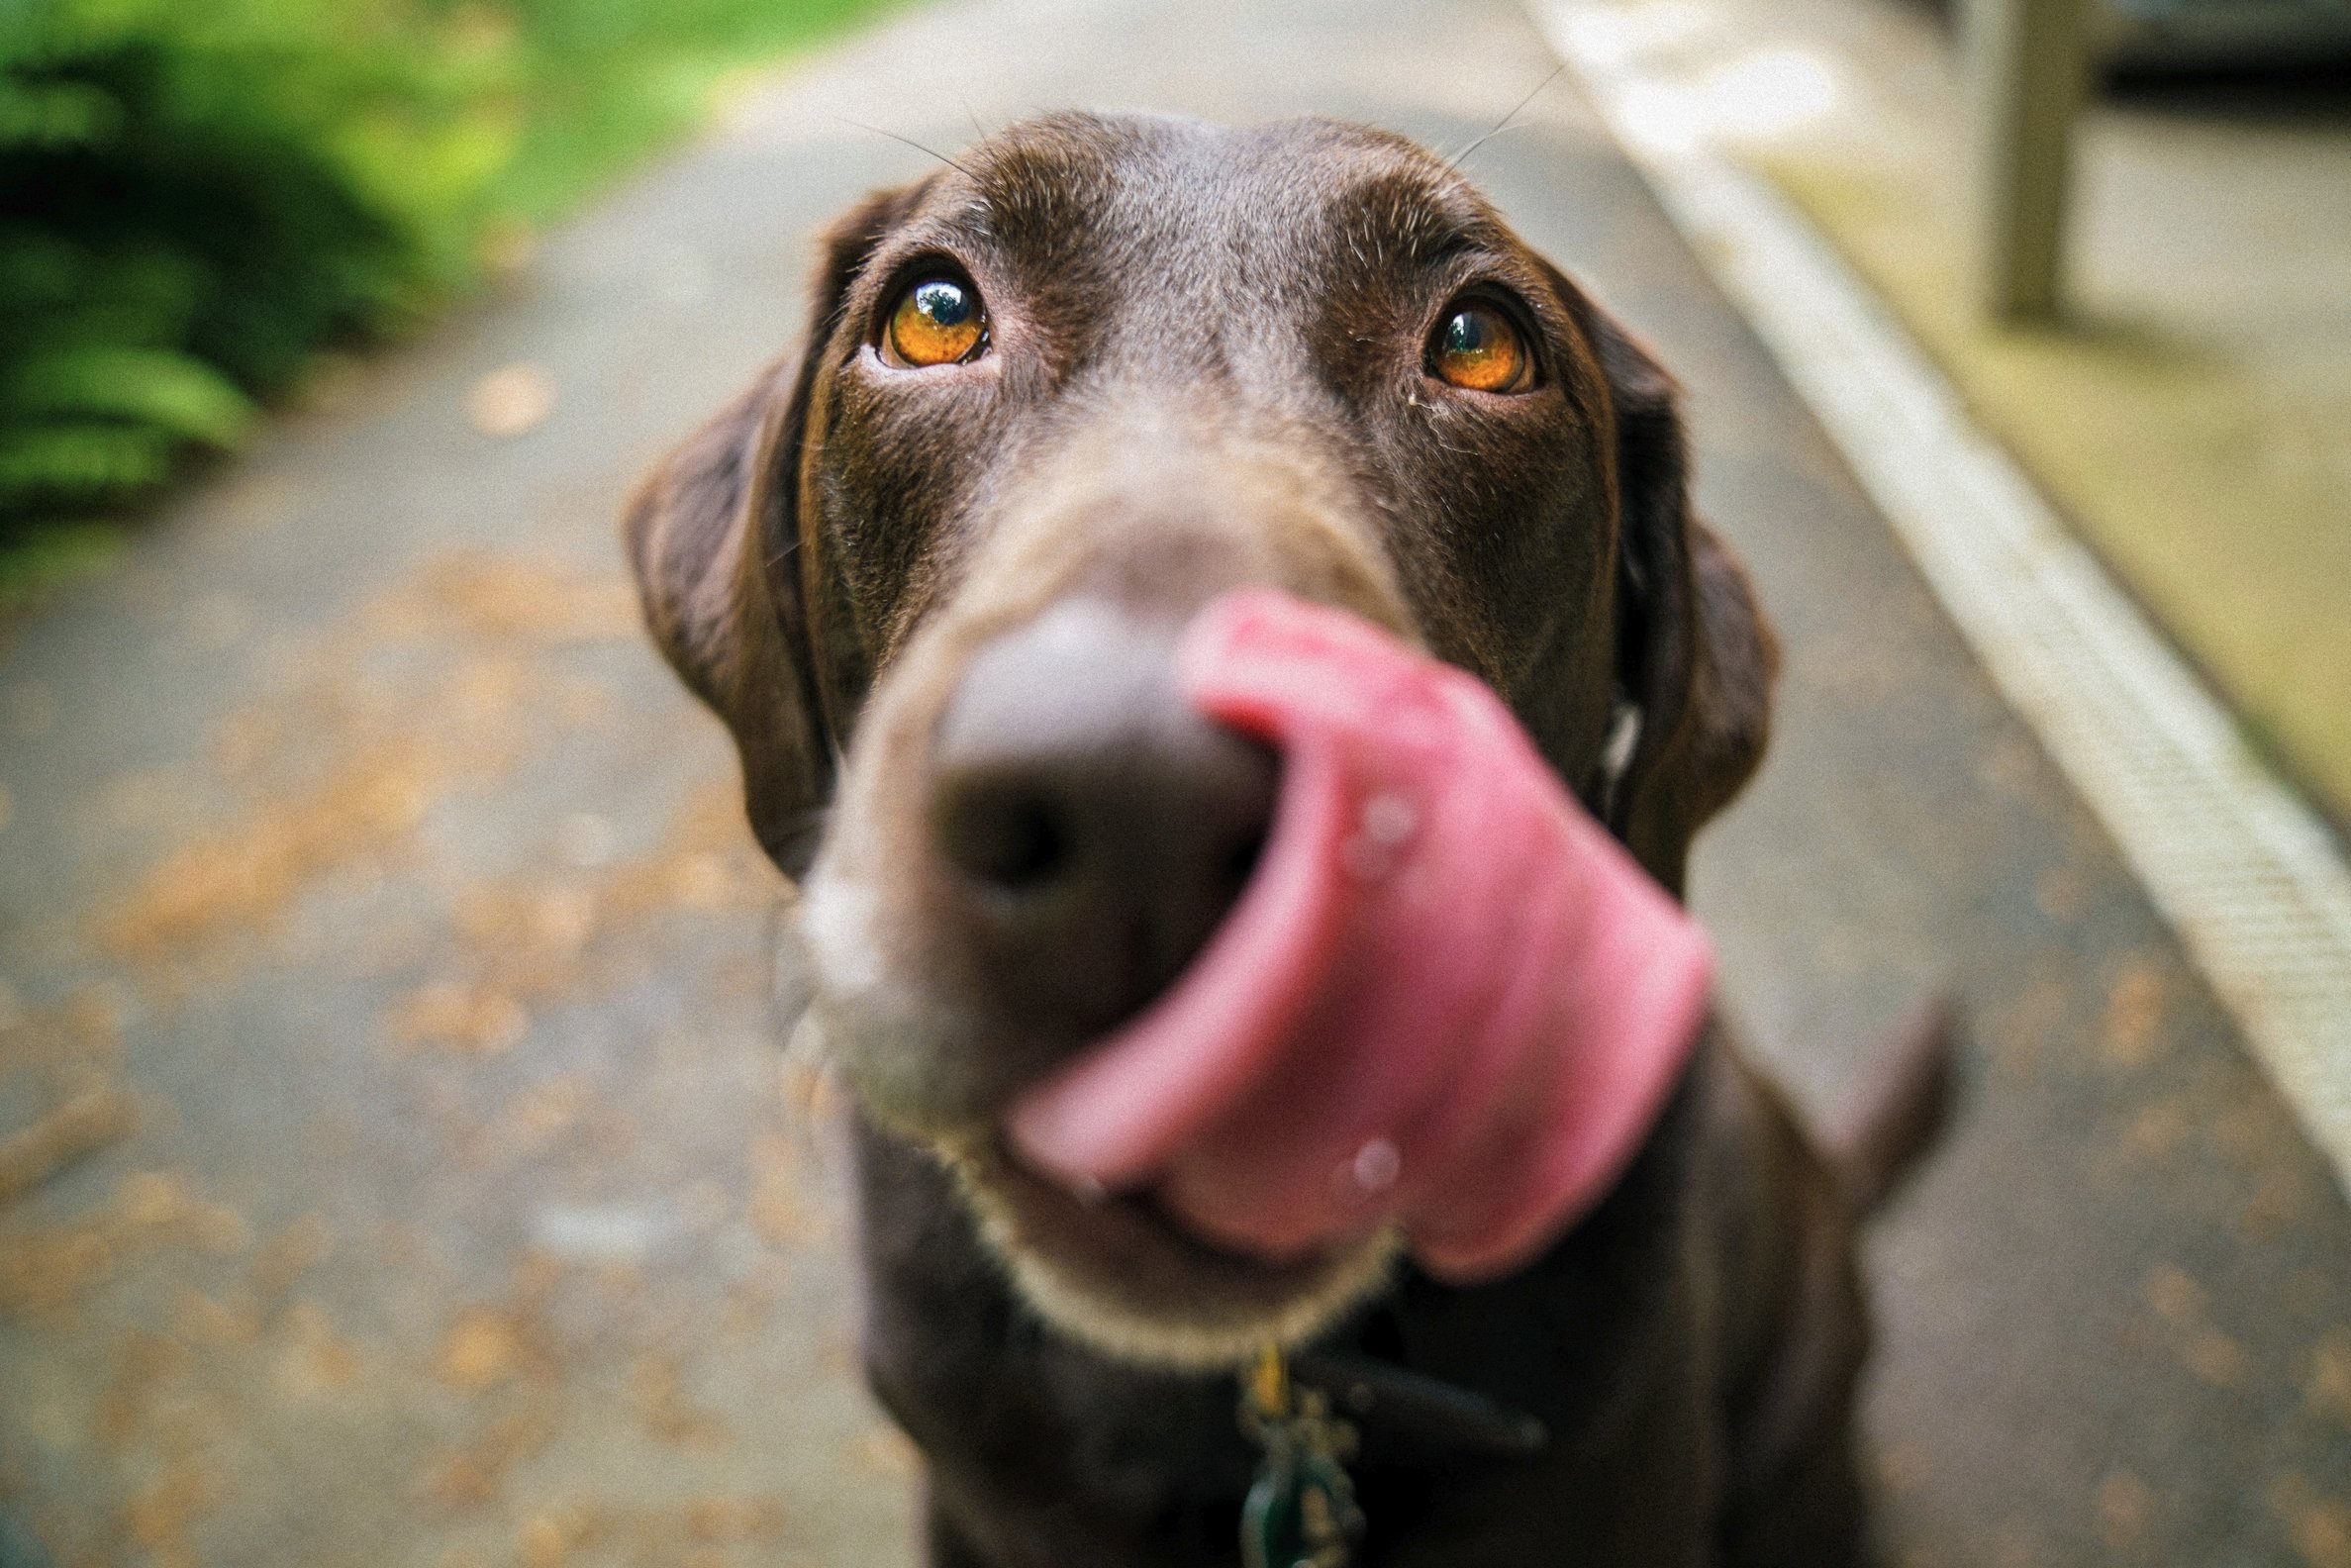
x=1053, y=399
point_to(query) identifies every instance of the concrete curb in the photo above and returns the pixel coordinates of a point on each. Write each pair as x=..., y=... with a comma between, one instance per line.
x=2243, y=869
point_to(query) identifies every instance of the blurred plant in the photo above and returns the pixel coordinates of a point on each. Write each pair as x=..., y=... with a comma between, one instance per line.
x=197, y=195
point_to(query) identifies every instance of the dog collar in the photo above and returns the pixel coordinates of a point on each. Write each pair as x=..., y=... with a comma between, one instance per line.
x=1416, y=1416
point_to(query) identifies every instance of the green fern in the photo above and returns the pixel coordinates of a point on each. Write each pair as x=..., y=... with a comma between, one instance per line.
x=180, y=396
x=178, y=240
x=63, y=464
x=54, y=114
x=196, y=196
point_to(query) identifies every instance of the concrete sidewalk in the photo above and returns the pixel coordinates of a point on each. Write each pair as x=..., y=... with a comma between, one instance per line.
x=2190, y=413
x=360, y=843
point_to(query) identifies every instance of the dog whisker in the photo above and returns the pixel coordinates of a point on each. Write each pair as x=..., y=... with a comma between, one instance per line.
x=1453, y=163
x=910, y=142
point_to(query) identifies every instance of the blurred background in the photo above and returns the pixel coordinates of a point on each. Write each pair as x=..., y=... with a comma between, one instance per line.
x=202, y=201
x=398, y=1161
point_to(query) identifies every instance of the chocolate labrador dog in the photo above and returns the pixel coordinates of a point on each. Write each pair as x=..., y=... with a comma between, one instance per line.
x=1053, y=399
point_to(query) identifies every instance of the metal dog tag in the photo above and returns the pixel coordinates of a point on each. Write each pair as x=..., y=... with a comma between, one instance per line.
x=1301, y=1511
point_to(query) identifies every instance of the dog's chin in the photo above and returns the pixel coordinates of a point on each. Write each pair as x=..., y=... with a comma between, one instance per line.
x=1112, y=1272
x=1117, y=1274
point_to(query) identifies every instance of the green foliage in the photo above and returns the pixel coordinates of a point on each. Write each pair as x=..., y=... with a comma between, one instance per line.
x=197, y=195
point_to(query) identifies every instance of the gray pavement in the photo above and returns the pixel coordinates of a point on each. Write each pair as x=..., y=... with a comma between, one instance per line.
x=361, y=854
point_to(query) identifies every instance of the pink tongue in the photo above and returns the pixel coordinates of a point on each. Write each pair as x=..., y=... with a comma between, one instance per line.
x=1447, y=998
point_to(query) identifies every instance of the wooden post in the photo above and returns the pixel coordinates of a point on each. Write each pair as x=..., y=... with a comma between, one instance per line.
x=2027, y=66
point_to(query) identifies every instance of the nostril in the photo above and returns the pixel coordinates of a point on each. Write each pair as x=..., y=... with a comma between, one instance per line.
x=1005, y=838
x=1240, y=861
x=1090, y=828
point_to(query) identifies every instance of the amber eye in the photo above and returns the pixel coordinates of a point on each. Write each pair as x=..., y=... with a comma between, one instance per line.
x=936, y=322
x=1477, y=348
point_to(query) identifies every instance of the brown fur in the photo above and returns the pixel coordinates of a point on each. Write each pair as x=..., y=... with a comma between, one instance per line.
x=1206, y=370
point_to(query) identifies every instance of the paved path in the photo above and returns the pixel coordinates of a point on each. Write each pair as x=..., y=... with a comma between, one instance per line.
x=362, y=854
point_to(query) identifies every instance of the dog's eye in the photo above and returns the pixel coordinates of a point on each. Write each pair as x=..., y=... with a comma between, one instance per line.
x=1476, y=348
x=936, y=322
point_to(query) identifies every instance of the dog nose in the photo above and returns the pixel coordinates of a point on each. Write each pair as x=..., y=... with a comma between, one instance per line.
x=1096, y=828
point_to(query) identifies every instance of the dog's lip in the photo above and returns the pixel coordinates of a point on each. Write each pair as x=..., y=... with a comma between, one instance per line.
x=1126, y=1215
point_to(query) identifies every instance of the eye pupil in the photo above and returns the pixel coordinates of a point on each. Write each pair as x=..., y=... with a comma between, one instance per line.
x=936, y=322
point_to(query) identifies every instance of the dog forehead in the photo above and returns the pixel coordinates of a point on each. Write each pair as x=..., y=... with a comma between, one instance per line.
x=1202, y=202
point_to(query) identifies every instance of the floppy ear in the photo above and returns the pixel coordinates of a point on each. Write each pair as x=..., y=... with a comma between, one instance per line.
x=727, y=574
x=1696, y=659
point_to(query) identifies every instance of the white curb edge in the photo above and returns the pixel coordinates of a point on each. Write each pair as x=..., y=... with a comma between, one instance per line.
x=2243, y=871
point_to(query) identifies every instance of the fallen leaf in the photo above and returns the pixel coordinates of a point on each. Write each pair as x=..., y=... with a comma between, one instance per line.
x=510, y=401
x=79, y=1127
x=2328, y=1388
x=2125, y=1506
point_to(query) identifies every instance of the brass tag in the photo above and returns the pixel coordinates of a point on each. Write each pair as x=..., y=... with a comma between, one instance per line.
x=1301, y=1511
